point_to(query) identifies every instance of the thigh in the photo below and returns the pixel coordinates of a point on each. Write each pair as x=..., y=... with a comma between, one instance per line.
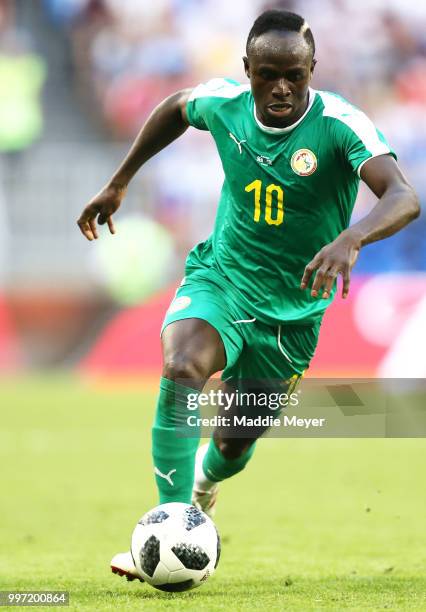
x=198, y=299
x=193, y=341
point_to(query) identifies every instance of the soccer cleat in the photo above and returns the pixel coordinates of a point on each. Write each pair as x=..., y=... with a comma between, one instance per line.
x=123, y=565
x=204, y=492
x=205, y=500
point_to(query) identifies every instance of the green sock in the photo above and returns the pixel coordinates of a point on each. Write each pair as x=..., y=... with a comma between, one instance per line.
x=216, y=467
x=173, y=449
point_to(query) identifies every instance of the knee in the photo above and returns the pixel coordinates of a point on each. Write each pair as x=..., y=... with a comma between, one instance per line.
x=184, y=367
x=233, y=448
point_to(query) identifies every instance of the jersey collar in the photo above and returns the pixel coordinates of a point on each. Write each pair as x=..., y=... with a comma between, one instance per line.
x=289, y=128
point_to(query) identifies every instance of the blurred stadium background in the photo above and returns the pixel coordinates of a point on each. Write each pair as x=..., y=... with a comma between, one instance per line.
x=78, y=78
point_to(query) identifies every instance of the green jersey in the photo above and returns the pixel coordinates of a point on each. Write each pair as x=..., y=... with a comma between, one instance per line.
x=287, y=193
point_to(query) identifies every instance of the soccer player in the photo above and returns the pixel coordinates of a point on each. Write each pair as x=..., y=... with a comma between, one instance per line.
x=255, y=292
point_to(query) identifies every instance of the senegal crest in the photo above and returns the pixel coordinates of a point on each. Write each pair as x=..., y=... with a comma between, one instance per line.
x=303, y=162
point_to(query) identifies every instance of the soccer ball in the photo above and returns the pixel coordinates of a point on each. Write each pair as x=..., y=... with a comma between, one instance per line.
x=175, y=547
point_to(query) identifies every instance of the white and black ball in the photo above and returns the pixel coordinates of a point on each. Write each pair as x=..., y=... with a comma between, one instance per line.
x=175, y=547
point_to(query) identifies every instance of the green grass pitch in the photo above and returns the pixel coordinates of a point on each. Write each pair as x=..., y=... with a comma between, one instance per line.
x=310, y=525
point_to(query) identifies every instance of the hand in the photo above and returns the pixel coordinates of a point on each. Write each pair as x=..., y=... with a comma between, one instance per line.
x=101, y=207
x=335, y=258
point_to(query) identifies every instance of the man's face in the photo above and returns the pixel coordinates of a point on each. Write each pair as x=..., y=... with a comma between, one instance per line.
x=279, y=66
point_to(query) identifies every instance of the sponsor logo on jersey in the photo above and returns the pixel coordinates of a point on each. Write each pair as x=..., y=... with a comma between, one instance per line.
x=303, y=162
x=237, y=142
x=265, y=161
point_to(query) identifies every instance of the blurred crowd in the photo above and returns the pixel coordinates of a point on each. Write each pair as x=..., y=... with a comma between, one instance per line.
x=134, y=53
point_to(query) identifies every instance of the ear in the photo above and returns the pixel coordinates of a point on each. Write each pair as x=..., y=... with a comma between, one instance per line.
x=313, y=64
x=246, y=66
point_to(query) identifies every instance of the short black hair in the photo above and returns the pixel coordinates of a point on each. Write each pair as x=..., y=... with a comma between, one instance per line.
x=280, y=20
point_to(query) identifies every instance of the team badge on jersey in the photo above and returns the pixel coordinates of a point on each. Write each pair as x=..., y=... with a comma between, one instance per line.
x=303, y=162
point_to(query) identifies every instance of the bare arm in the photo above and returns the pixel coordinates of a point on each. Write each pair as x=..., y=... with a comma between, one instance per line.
x=397, y=206
x=167, y=122
x=398, y=203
